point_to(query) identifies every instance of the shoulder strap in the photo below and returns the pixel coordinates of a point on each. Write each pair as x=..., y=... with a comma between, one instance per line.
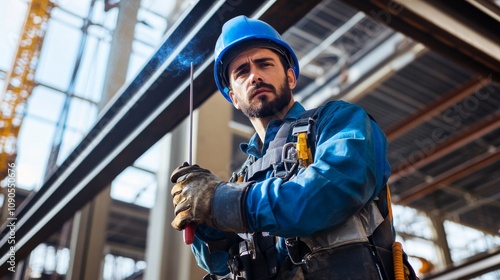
x=284, y=135
x=273, y=153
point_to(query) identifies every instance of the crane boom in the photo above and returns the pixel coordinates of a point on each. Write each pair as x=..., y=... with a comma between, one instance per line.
x=20, y=80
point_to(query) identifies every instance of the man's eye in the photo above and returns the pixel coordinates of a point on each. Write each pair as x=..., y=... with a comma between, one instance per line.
x=240, y=73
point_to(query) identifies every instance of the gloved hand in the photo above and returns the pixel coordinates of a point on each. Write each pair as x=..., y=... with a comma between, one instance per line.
x=202, y=198
x=192, y=195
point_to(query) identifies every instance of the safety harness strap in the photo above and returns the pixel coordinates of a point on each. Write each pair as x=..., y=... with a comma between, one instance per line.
x=273, y=153
x=273, y=156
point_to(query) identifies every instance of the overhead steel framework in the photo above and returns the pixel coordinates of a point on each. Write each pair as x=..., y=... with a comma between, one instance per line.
x=473, y=268
x=461, y=32
x=147, y=108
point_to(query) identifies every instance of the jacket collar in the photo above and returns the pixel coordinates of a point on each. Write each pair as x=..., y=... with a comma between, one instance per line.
x=252, y=147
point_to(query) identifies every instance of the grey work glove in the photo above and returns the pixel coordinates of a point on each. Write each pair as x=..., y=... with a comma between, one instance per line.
x=202, y=198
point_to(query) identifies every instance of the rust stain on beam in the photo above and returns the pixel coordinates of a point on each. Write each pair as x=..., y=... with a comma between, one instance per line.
x=465, y=137
x=445, y=101
x=450, y=176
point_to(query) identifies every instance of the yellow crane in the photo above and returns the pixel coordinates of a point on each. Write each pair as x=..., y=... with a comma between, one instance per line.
x=20, y=80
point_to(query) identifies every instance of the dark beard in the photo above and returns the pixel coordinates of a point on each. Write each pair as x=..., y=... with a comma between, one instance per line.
x=266, y=108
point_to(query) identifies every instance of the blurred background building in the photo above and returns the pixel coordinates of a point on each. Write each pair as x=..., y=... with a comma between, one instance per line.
x=95, y=94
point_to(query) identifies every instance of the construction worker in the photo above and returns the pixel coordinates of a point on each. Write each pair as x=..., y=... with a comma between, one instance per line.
x=298, y=209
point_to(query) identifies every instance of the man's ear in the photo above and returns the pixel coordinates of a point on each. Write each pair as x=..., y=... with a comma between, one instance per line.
x=233, y=99
x=292, y=81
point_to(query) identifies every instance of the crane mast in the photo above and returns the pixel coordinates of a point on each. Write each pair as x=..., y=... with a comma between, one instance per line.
x=20, y=80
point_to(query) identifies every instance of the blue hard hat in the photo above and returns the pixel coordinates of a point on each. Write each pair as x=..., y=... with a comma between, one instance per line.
x=243, y=32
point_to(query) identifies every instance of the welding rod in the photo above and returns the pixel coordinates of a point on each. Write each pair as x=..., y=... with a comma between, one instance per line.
x=189, y=229
x=191, y=116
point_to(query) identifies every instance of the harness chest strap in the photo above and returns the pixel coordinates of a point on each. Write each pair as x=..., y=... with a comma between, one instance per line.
x=273, y=156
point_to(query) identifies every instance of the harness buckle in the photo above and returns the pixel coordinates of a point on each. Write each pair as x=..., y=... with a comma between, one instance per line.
x=296, y=250
x=303, y=126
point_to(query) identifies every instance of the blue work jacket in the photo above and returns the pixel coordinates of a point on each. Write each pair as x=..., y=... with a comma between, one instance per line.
x=350, y=168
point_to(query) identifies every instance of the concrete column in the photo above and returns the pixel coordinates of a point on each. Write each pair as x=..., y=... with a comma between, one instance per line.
x=442, y=248
x=121, y=48
x=214, y=139
x=167, y=257
x=88, y=239
x=90, y=225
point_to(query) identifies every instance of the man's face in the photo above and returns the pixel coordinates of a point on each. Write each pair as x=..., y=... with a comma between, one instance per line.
x=260, y=86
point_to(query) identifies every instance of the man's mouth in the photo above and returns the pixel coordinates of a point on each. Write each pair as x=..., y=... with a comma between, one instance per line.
x=260, y=91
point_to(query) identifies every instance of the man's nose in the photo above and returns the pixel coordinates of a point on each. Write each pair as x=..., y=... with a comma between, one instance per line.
x=255, y=76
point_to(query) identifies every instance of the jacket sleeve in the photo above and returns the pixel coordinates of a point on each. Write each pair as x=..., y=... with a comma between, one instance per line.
x=213, y=262
x=349, y=169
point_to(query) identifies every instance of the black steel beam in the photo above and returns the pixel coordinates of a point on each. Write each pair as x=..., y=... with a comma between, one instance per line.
x=439, y=40
x=475, y=266
x=150, y=106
